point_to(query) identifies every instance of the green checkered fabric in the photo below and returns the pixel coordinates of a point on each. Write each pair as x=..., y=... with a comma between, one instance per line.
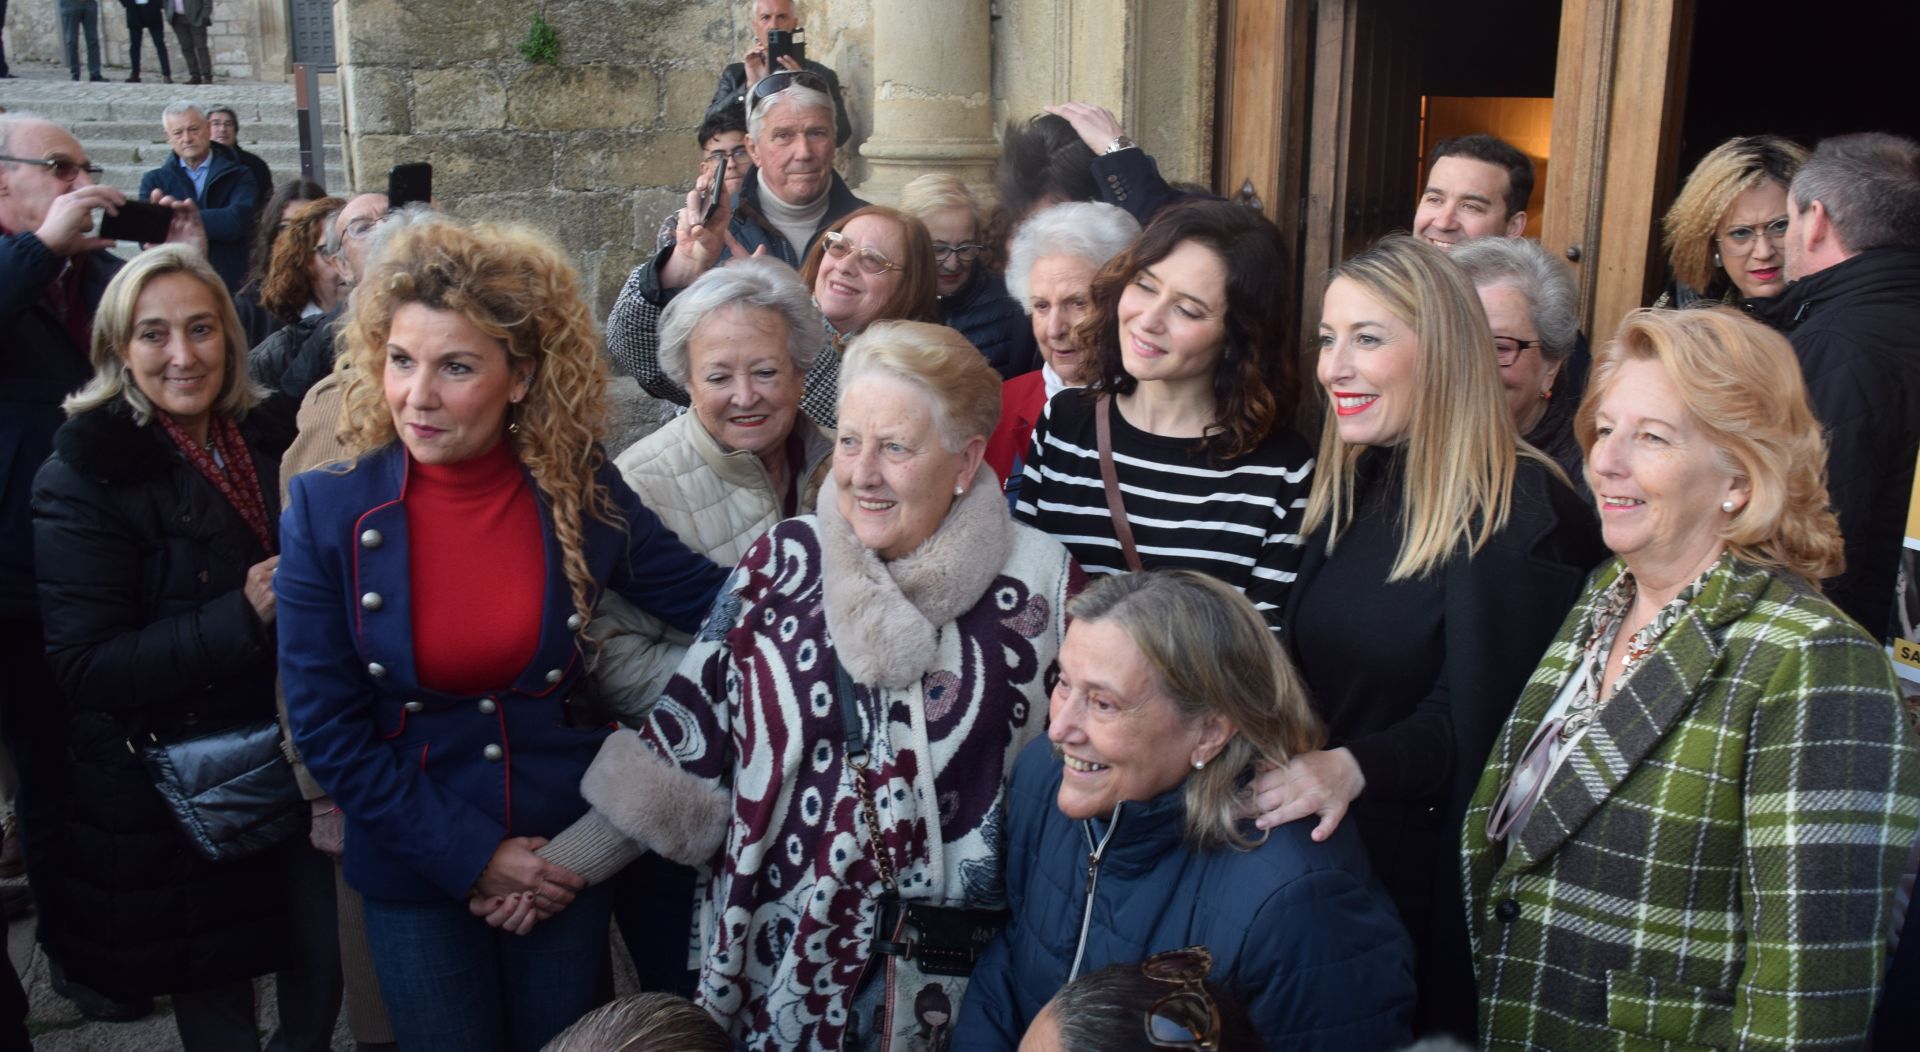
x=1713, y=864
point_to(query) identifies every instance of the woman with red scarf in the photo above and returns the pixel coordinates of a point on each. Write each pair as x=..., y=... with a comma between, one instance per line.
x=155, y=544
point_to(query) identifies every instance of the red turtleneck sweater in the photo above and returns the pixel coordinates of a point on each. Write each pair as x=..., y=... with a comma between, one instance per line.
x=478, y=570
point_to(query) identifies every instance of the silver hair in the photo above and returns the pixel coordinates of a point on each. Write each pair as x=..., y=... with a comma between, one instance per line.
x=14, y=121
x=1082, y=229
x=1524, y=266
x=1870, y=185
x=336, y=238
x=181, y=107
x=798, y=96
x=746, y=285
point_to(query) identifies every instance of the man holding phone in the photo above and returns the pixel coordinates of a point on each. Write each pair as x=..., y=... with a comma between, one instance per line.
x=738, y=79
x=52, y=274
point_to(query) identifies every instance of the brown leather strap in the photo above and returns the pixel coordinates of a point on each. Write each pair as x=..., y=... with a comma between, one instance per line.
x=1122, y=532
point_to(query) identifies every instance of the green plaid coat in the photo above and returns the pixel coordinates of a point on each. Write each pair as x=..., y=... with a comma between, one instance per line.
x=1712, y=865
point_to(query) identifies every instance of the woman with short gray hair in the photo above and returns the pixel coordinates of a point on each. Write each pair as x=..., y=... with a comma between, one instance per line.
x=739, y=339
x=1534, y=310
x=1050, y=269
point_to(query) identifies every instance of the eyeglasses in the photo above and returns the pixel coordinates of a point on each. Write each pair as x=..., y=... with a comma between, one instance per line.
x=1508, y=349
x=1740, y=239
x=365, y=225
x=839, y=245
x=780, y=80
x=1186, y=1018
x=62, y=168
x=968, y=251
x=737, y=156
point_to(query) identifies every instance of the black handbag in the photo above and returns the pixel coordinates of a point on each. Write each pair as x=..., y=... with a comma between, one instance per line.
x=231, y=790
x=926, y=952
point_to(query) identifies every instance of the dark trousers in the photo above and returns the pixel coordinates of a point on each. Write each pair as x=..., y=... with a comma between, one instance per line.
x=76, y=19
x=653, y=904
x=193, y=44
x=147, y=17
x=33, y=723
x=13, y=1009
x=309, y=989
x=217, y=1020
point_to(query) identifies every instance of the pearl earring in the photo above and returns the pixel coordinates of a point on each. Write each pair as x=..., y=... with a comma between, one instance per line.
x=1199, y=765
x=1726, y=506
x=959, y=491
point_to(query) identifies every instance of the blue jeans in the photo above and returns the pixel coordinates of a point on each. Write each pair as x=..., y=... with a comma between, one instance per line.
x=450, y=982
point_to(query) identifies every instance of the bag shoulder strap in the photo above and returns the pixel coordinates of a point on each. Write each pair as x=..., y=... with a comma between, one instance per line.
x=1122, y=531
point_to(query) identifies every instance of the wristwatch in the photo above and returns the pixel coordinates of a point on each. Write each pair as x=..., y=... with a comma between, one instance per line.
x=1120, y=142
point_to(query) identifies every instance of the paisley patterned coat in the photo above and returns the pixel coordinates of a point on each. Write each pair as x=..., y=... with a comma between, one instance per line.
x=788, y=912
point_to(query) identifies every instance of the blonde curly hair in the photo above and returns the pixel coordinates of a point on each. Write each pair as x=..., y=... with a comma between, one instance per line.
x=515, y=285
x=1727, y=171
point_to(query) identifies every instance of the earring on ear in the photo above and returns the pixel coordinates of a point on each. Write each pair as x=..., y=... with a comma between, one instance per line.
x=513, y=412
x=959, y=491
x=1199, y=765
x=1716, y=261
x=1727, y=506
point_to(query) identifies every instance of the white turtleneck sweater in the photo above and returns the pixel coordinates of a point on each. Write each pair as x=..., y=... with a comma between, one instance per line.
x=795, y=222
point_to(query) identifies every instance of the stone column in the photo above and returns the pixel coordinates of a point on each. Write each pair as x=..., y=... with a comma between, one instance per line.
x=932, y=95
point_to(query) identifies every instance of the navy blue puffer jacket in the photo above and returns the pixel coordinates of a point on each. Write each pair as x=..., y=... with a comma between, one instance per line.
x=1300, y=932
x=993, y=322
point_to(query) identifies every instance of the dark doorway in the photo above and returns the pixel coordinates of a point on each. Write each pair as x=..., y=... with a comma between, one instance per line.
x=1805, y=71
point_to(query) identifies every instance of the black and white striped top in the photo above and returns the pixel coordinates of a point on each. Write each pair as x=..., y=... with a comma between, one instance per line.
x=1239, y=521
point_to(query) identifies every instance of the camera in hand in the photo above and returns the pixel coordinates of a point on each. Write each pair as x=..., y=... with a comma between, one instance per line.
x=784, y=43
x=137, y=221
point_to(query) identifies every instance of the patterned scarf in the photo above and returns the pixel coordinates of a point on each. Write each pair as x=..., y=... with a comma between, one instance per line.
x=243, y=491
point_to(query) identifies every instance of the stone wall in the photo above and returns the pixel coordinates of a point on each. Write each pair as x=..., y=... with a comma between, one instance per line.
x=596, y=149
x=1150, y=61
x=33, y=35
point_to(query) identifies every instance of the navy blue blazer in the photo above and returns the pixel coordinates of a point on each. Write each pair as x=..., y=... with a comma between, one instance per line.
x=432, y=782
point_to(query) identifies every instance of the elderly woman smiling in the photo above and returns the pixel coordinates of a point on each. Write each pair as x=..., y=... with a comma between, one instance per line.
x=1171, y=691
x=1534, y=311
x=1691, y=827
x=764, y=764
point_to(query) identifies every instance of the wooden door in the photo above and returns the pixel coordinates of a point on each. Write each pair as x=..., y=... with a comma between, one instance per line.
x=1619, y=90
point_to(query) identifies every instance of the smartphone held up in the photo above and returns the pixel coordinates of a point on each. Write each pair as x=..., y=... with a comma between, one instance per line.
x=136, y=221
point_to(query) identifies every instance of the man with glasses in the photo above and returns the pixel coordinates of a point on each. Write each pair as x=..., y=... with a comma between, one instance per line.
x=52, y=275
x=223, y=125
x=220, y=185
x=1852, y=311
x=722, y=135
x=792, y=195
x=740, y=78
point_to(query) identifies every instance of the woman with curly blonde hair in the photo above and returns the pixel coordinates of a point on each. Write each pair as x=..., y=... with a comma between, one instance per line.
x=1692, y=825
x=435, y=589
x=1726, y=230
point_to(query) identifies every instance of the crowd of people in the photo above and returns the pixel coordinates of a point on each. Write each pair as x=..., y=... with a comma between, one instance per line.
x=999, y=651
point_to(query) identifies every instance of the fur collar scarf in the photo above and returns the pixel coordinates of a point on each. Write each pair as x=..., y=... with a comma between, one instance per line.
x=106, y=444
x=885, y=617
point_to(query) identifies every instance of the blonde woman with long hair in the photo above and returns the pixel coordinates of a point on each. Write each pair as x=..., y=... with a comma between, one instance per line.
x=1441, y=552
x=432, y=596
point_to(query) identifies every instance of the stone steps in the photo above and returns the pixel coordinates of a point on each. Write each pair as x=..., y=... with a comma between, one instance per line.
x=117, y=120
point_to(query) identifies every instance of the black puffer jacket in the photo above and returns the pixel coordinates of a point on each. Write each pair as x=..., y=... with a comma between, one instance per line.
x=990, y=320
x=141, y=563
x=1855, y=327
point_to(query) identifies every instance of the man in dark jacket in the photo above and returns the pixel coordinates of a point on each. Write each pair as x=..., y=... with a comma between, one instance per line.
x=739, y=78
x=792, y=195
x=52, y=276
x=1853, y=314
x=221, y=186
x=224, y=126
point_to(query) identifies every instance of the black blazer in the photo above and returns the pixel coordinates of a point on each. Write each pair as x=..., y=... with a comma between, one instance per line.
x=1501, y=609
